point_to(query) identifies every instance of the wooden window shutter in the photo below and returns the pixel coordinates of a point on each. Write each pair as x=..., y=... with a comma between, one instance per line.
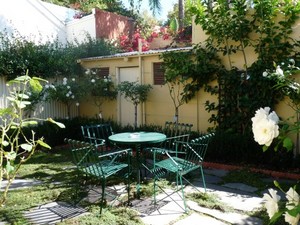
x=158, y=74
x=103, y=72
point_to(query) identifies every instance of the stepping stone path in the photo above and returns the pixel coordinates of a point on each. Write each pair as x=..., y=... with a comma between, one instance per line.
x=169, y=210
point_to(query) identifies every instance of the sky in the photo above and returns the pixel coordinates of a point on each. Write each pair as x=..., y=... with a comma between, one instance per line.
x=166, y=6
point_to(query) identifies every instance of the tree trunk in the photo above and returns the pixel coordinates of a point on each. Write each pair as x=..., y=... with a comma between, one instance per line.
x=181, y=14
x=135, y=116
x=176, y=115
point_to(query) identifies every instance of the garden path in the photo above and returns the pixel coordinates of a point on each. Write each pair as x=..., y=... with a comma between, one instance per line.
x=241, y=197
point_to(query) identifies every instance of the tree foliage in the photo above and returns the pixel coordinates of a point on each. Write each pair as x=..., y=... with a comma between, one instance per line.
x=18, y=55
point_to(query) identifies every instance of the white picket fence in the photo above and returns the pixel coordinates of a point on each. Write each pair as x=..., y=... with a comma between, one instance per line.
x=44, y=109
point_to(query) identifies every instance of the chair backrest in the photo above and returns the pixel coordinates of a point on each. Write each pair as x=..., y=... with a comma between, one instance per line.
x=196, y=150
x=85, y=157
x=95, y=134
x=173, y=129
x=176, y=132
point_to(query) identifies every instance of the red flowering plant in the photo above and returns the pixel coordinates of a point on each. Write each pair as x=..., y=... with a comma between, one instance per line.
x=129, y=45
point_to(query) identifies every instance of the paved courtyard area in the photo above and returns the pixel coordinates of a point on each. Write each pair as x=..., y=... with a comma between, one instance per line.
x=170, y=210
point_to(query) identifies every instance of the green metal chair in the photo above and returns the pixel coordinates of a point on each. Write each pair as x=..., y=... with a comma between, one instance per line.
x=96, y=133
x=175, y=132
x=187, y=157
x=89, y=162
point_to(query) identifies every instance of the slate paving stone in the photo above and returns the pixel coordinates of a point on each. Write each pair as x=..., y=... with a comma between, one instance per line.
x=216, y=172
x=53, y=213
x=21, y=183
x=242, y=187
x=229, y=217
x=196, y=219
x=171, y=209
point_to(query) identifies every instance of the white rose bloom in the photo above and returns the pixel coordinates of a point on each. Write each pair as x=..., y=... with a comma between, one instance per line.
x=265, y=74
x=68, y=87
x=73, y=79
x=93, y=80
x=77, y=104
x=64, y=83
x=273, y=116
x=46, y=86
x=264, y=126
x=279, y=71
x=271, y=202
x=67, y=95
x=265, y=131
x=65, y=79
x=261, y=114
x=293, y=200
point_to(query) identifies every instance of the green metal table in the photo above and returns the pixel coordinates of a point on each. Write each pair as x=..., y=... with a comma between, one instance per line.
x=137, y=139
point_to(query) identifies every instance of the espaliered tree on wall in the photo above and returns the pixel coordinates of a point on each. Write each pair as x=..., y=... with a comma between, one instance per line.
x=135, y=93
x=187, y=72
x=231, y=28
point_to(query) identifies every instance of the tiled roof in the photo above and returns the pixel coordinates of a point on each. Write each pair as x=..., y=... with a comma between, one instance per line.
x=135, y=53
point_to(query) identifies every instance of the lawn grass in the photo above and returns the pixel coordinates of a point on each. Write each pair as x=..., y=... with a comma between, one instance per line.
x=58, y=175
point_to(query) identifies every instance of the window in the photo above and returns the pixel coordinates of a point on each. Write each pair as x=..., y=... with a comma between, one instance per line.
x=103, y=72
x=158, y=74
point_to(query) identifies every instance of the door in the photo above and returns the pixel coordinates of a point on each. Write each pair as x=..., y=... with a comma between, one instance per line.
x=126, y=108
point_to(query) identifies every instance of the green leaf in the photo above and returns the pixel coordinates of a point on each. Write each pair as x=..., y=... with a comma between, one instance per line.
x=23, y=78
x=265, y=148
x=26, y=147
x=6, y=111
x=288, y=143
x=27, y=123
x=23, y=96
x=10, y=155
x=9, y=168
x=36, y=85
x=40, y=142
x=22, y=104
x=61, y=125
x=4, y=143
x=275, y=217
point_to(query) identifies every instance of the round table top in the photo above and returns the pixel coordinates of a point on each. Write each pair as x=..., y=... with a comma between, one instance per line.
x=137, y=137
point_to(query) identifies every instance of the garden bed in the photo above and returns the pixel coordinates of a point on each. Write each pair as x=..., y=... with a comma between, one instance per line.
x=275, y=174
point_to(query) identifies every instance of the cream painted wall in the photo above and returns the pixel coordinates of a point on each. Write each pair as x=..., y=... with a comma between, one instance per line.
x=159, y=107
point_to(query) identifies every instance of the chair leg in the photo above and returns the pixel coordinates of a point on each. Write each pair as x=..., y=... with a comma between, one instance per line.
x=182, y=192
x=103, y=184
x=203, y=179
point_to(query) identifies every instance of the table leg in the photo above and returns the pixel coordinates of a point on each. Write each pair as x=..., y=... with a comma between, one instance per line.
x=138, y=154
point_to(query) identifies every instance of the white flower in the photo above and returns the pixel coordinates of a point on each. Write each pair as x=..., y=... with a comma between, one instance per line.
x=264, y=126
x=73, y=79
x=46, y=86
x=265, y=74
x=293, y=200
x=67, y=95
x=68, y=87
x=77, y=104
x=271, y=203
x=295, y=86
x=64, y=83
x=279, y=71
x=105, y=80
x=93, y=80
x=292, y=61
x=87, y=71
x=73, y=96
